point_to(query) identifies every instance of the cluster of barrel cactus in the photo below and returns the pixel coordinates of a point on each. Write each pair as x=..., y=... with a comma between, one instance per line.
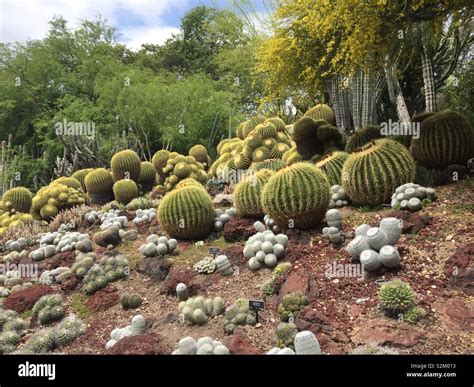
x=285, y=334
x=264, y=249
x=18, y=199
x=203, y=346
x=304, y=343
x=297, y=196
x=260, y=144
x=397, y=299
x=158, y=246
x=48, y=309
x=8, y=220
x=187, y=212
x=137, y=327
x=108, y=270
x=237, y=314
x=62, y=193
x=197, y=310
x=410, y=196
x=83, y=263
x=205, y=266
x=372, y=173
x=247, y=194
x=315, y=136
x=339, y=197
x=445, y=139
x=173, y=167
x=291, y=304
x=373, y=246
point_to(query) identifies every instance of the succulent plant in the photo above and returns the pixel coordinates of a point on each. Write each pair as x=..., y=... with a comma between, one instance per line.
x=322, y=112
x=199, y=152
x=205, y=266
x=252, y=122
x=331, y=165
x=286, y=333
x=69, y=182
x=197, y=310
x=445, y=139
x=18, y=199
x=238, y=314
x=159, y=160
x=306, y=343
x=187, y=213
x=147, y=176
x=272, y=164
x=125, y=165
x=48, y=309
x=291, y=305
x=182, y=291
x=223, y=265
x=373, y=172
x=99, y=185
x=131, y=301
x=361, y=137
x=203, y=346
x=80, y=176
x=396, y=297
x=125, y=191
x=298, y=194
x=247, y=194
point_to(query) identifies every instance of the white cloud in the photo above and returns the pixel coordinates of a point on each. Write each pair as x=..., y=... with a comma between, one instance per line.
x=28, y=19
x=135, y=37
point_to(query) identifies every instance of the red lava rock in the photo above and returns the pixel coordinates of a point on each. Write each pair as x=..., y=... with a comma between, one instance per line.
x=235, y=254
x=103, y=299
x=177, y=275
x=144, y=344
x=65, y=259
x=155, y=268
x=355, y=310
x=412, y=221
x=300, y=281
x=69, y=282
x=455, y=315
x=296, y=236
x=239, y=344
x=238, y=229
x=311, y=320
x=386, y=332
x=25, y=299
x=459, y=268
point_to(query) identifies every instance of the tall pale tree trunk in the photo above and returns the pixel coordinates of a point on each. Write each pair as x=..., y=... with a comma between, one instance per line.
x=396, y=94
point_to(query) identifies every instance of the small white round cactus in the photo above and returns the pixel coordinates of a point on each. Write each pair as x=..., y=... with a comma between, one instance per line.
x=370, y=259
x=362, y=230
x=182, y=291
x=393, y=228
x=389, y=256
x=376, y=238
x=357, y=245
x=306, y=343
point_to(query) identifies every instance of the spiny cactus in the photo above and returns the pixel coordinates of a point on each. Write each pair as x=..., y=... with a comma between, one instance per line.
x=266, y=130
x=396, y=297
x=297, y=196
x=238, y=314
x=69, y=182
x=291, y=305
x=361, y=137
x=331, y=165
x=373, y=172
x=247, y=194
x=49, y=308
x=445, y=139
x=187, y=213
x=252, y=123
x=19, y=199
x=306, y=343
x=322, y=112
x=159, y=160
x=80, y=176
x=125, y=190
x=125, y=165
x=279, y=150
x=147, y=175
x=197, y=310
x=199, y=152
x=131, y=301
x=278, y=123
x=99, y=185
x=271, y=164
x=286, y=333
x=260, y=154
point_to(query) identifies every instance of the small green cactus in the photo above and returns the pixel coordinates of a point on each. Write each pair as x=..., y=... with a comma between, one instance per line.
x=291, y=305
x=396, y=297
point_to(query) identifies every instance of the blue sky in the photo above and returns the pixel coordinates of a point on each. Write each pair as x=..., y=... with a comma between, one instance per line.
x=138, y=21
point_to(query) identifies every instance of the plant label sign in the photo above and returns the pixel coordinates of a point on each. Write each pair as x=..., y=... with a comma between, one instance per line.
x=256, y=306
x=214, y=251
